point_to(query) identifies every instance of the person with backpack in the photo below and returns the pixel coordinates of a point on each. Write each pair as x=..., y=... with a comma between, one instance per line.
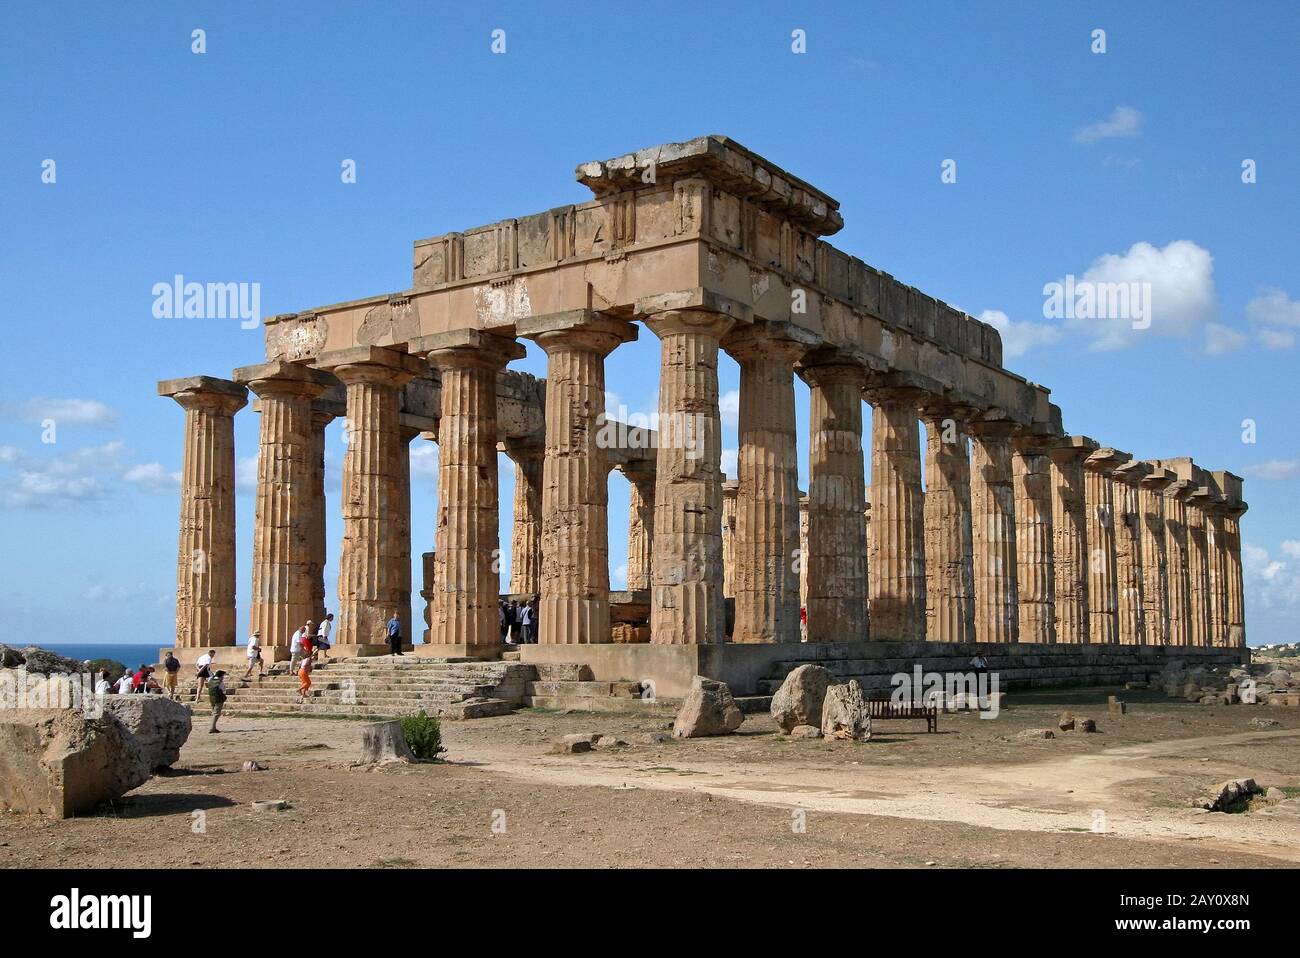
x=202, y=672
x=216, y=697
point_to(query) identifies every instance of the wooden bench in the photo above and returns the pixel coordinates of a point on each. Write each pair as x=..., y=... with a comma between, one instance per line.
x=888, y=710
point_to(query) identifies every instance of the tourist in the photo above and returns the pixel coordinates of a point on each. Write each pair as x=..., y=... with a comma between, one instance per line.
x=803, y=623
x=501, y=619
x=295, y=646
x=140, y=681
x=202, y=672
x=255, y=656
x=216, y=697
x=304, y=677
x=515, y=627
x=124, y=684
x=323, y=634
x=395, y=634
x=979, y=665
x=103, y=686
x=150, y=685
x=171, y=674
x=526, y=621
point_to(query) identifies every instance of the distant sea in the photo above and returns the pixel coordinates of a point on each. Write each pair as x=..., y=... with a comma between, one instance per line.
x=131, y=656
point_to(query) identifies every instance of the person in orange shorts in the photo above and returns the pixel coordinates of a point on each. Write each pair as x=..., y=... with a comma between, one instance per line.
x=304, y=677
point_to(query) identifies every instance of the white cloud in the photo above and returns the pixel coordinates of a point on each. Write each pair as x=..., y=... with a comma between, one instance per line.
x=1181, y=298
x=152, y=477
x=59, y=481
x=246, y=474
x=730, y=459
x=1270, y=583
x=729, y=406
x=1274, y=469
x=1276, y=317
x=1220, y=339
x=1019, y=338
x=618, y=578
x=64, y=412
x=1123, y=121
x=424, y=462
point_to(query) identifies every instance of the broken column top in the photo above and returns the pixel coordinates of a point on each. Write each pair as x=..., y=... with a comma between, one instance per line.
x=200, y=384
x=727, y=164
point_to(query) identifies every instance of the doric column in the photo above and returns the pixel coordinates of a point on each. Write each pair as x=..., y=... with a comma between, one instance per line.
x=1128, y=552
x=1216, y=543
x=375, y=555
x=284, y=526
x=1103, y=600
x=766, y=543
x=1070, y=538
x=640, y=524
x=1155, y=563
x=1236, y=605
x=686, y=605
x=526, y=528
x=1198, y=566
x=949, y=568
x=1177, y=561
x=1035, y=553
x=836, y=561
x=896, y=549
x=205, y=555
x=993, y=533
x=323, y=412
x=803, y=552
x=730, y=488
x=467, y=583
x=574, y=608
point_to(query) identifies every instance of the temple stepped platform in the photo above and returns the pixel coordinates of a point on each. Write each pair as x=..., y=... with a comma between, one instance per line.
x=383, y=687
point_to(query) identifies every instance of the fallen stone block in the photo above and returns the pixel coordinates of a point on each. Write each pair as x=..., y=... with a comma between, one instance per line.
x=1264, y=723
x=845, y=713
x=563, y=672
x=1229, y=795
x=1086, y=725
x=707, y=709
x=799, y=699
x=160, y=725
x=1036, y=733
x=572, y=744
x=805, y=731
x=1066, y=722
x=59, y=763
x=656, y=738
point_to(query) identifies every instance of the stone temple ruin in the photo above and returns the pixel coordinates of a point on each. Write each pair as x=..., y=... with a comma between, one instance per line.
x=1056, y=553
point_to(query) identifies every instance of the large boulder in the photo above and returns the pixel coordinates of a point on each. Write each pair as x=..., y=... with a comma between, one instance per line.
x=57, y=762
x=799, y=699
x=10, y=658
x=45, y=662
x=159, y=724
x=707, y=709
x=1278, y=677
x=845, y=713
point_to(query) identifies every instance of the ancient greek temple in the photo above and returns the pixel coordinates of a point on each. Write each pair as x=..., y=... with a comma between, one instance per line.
x=1021, y=535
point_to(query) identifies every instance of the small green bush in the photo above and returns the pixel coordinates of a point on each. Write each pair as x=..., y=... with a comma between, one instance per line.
x=423, y=735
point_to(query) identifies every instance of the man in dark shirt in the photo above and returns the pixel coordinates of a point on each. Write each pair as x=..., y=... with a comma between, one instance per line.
x=395, y=634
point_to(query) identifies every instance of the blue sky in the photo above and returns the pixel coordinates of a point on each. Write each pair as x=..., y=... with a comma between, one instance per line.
x=225, y=166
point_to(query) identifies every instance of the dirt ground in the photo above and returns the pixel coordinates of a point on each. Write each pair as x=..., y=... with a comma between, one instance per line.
x=971, y=795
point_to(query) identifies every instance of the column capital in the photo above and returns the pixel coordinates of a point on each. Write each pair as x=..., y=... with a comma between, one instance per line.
x=1132, y=473
x=460, y=348
x=325, y=411
x=1105, y=460
x=284, y=379
x=1181, y=490
x=581, y=329
x=1235, y=508
x=1207, y=500
x=206, y=392
x=1158, y=479
x=770, y=340
x=1072, y=449
x=904, y=387
x=523, y=449
x=992, y=428
x=372, y=364
x=820, y=370
x=706, y=323
x=637, y=470
x=705, y=306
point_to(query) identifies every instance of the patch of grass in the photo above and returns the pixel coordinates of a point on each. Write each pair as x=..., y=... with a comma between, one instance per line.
x=393, y=863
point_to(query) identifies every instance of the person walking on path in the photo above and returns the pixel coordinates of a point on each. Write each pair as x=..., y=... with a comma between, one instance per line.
x=296, y=651
x=255, y=656
x=395, y=634
x=216, y=697
x=202, y=672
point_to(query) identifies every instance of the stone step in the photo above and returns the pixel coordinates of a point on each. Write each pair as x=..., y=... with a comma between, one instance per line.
x=754, y=704
x=585, y=689
x=611, y=703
